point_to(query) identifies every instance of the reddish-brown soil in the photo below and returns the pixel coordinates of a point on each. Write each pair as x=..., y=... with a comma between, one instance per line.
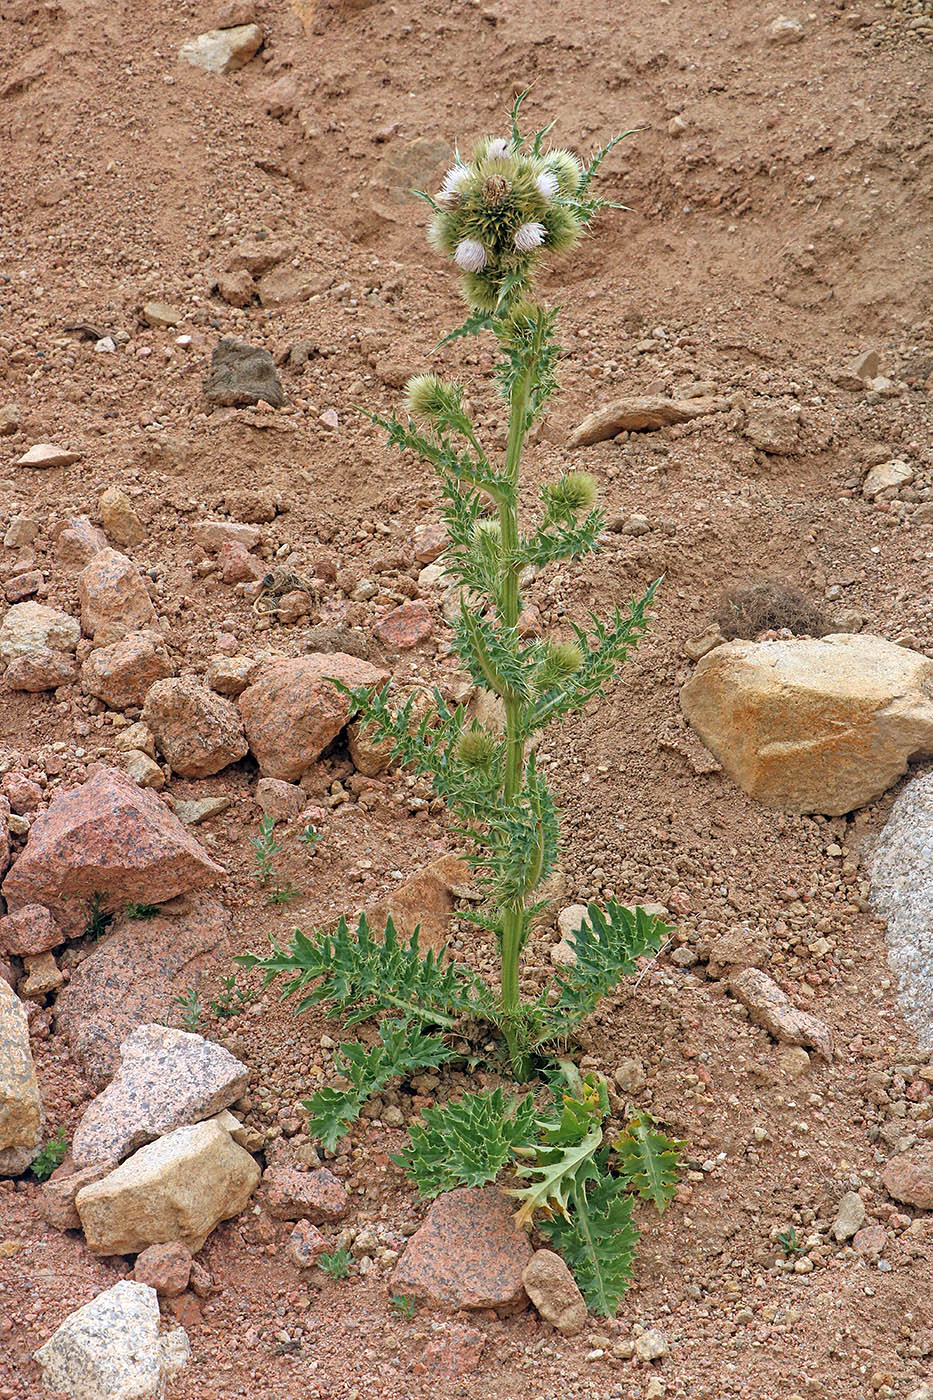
x=785, y=229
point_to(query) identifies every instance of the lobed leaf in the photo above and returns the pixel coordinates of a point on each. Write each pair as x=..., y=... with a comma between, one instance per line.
x=402, y=1049
x=467, y=1143
x=599, y=1238
x=608, y=945
x=649, y=1160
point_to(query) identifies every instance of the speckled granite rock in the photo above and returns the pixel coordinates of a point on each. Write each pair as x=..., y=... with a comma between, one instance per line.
x=30, y=930
x=20, y=1105
x=196, y=730
x=121, y=674
x=167, y=1078
x=5, y=843
x=108, y=838
x=134, y=975
x=469, y=1253
x=112, y=593
x=902, y=893
x=30, y=627
x=909, y=1177
x=289, y=1194
x=111, y=1349
x=292, y=712
x=177, y=1188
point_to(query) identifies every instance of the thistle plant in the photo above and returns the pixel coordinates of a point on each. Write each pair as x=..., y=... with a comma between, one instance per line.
x=498, y=215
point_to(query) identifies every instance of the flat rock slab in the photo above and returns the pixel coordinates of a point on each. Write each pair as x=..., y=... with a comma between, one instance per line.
x=20, y=1105
x=242, y=375
x=110, y=839
x=772, y=1009
x=48, y=454
x=469, y=1254
x=425, y=901
x=292, y=711
x=111, y=1348
x=642, y=414
x=902, y=893
x=176, y=1189
x=166, y=1080
x=134, y=977
x=813, y=725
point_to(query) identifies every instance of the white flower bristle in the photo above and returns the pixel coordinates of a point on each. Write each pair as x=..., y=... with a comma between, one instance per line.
x=546, y=184
x=529, y=236
x=497, y=149
x=470, y=255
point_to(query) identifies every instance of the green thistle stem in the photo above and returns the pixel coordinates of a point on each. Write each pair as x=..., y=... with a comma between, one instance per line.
x=513, y=915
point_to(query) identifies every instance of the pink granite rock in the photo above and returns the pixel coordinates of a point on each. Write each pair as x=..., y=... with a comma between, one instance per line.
x=469, y=1253
x=290, y=1194
x=292, y=712
x=110, y=839
x=29, y=931
x=121, y=674
x=196, y=730
x=111, y=591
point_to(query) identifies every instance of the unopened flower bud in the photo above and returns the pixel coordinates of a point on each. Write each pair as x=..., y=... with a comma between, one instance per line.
x=425, y=395
x=477, y=748
x=577, y=491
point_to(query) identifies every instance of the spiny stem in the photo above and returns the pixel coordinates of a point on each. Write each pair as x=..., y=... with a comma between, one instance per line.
x=513, y=915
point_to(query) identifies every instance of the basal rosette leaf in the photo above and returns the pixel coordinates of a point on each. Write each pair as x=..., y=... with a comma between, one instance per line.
x=649, y=1160
x=467, y=1142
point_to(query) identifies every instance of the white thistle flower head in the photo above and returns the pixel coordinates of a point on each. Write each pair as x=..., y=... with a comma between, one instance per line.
x=454, y=180
x=470, y=255
x=546, y=184
x=529, y=236
x=497, y=149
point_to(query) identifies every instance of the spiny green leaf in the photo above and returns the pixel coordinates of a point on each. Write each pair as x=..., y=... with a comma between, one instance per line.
x=567, y=1144
x=467, y=1143
x=402, y=1050
x=608, y=945
x=478, y=321
x=599, y=1238
x=649, y=1160
x=361, y=975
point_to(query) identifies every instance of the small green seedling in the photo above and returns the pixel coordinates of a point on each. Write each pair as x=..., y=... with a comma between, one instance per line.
x=98, y=918
x=141, y=911
x=265, y=846
x=404, y=1307
x=51, y=1156
x=309, y=838
x=232, y=999
x=335, y=1264
x=191, y=1010
x=790, y=1242
x=283, y=894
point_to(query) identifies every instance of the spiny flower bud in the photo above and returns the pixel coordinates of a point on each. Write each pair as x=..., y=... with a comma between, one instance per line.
x=576, y=491
x=487, y=529
x=559, y=661
x=427, y=396
x=566, y=170
x=477, y=748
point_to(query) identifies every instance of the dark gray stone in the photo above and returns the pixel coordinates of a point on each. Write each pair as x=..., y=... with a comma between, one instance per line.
x=241, y=375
